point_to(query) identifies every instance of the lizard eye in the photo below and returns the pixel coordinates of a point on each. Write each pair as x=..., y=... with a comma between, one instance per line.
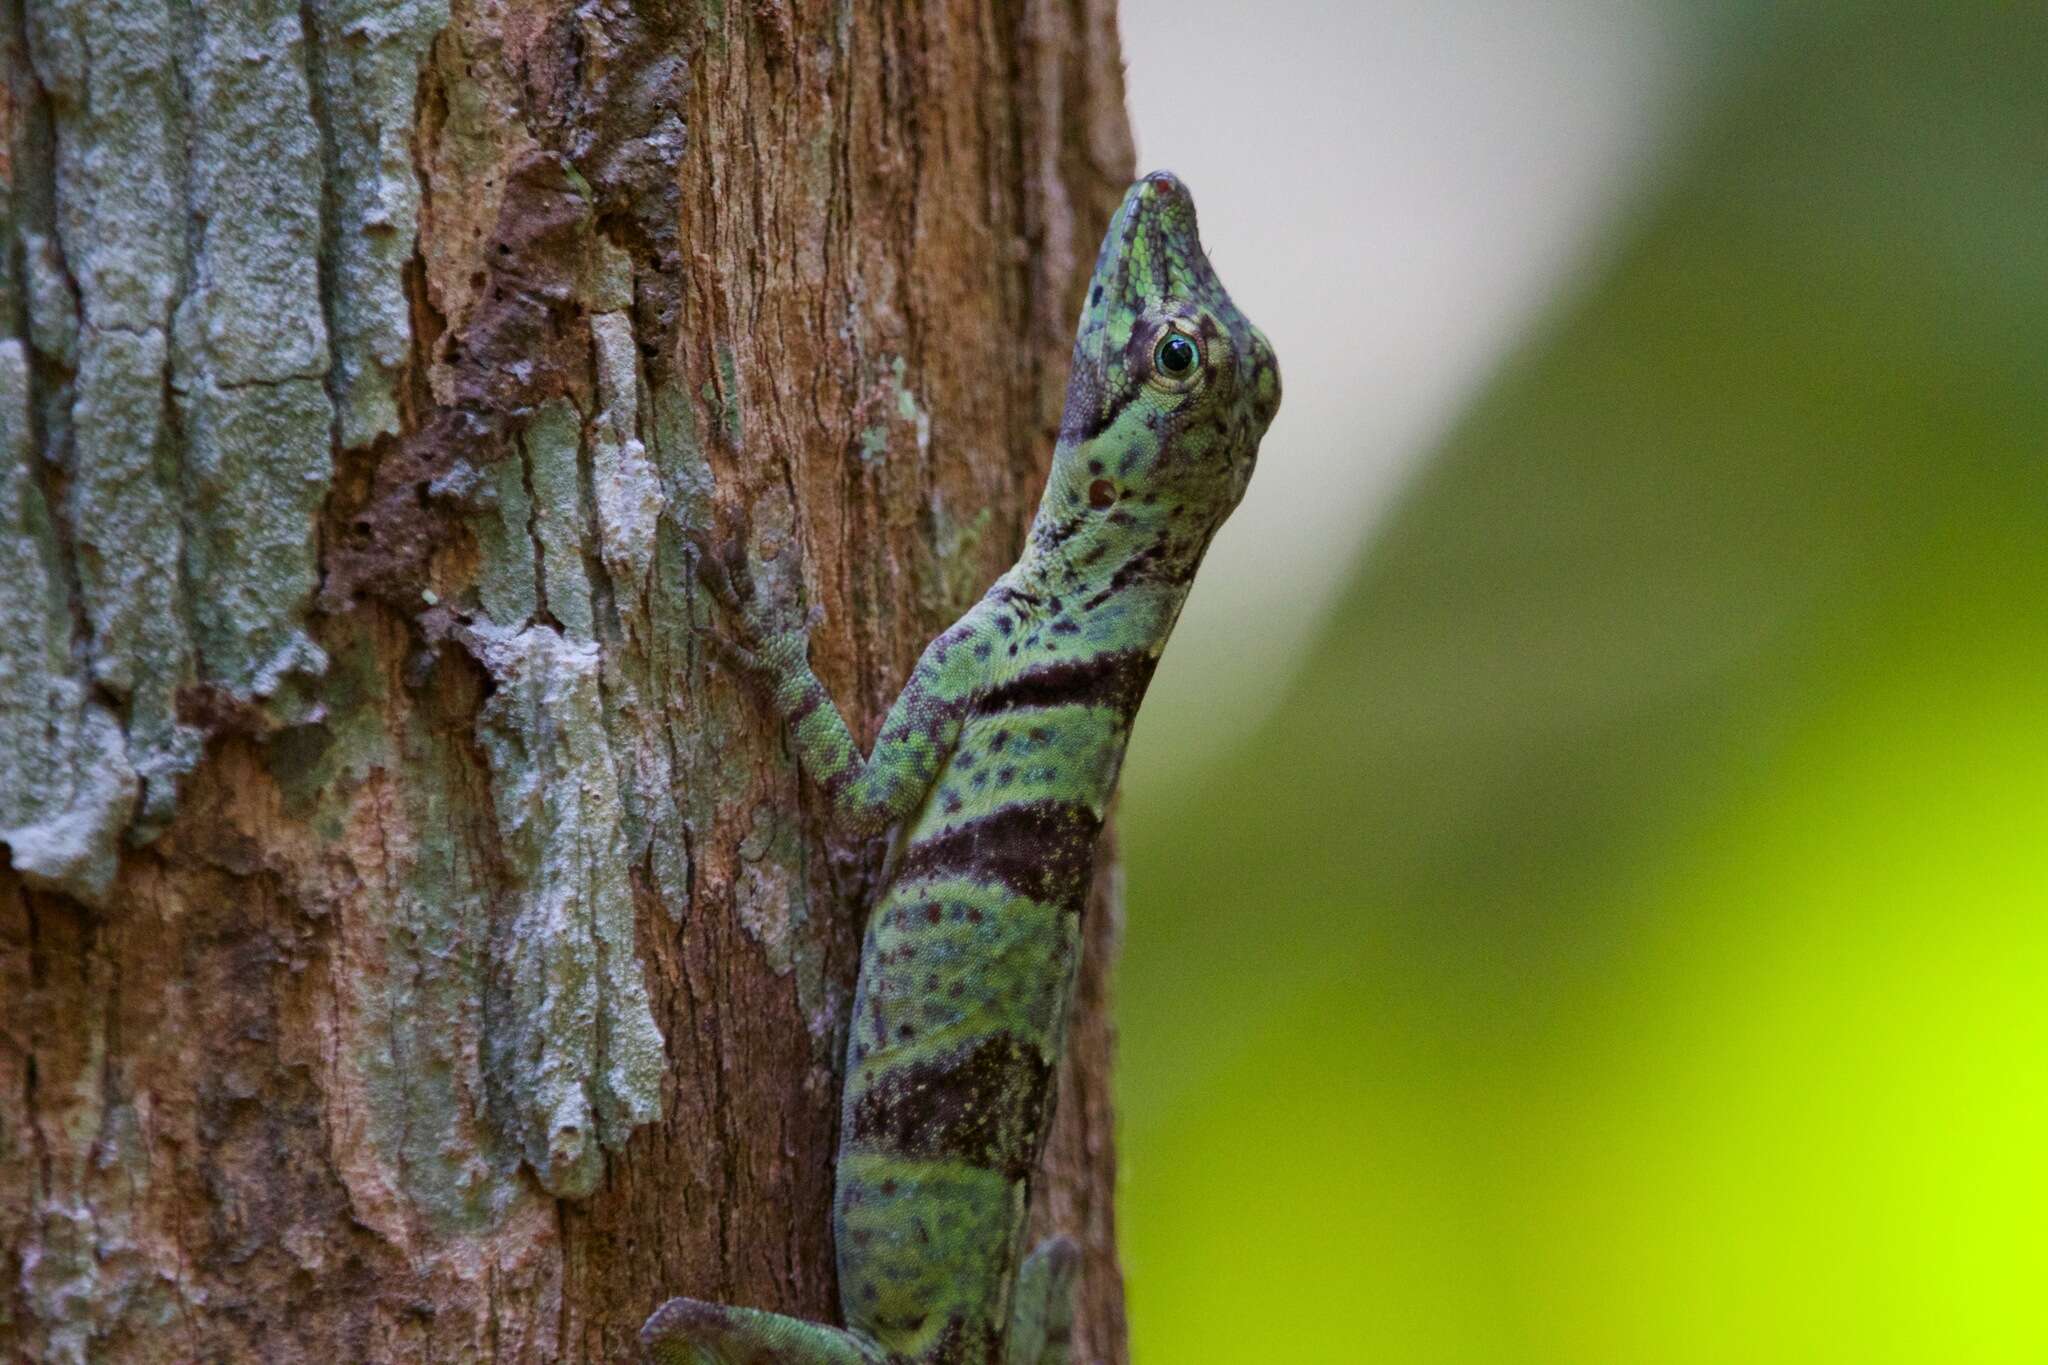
x=1175, y=356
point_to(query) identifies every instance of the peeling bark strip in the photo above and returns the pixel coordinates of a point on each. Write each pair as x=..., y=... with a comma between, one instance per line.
x=409, y=950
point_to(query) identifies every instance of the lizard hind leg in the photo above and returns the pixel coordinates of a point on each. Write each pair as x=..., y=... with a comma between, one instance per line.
x=1042, y=1316
x=692, y=1332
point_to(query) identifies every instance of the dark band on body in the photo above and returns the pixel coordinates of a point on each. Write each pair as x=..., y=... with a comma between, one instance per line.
x=1116, y=678
x=983, y=1104
x=1041, y=850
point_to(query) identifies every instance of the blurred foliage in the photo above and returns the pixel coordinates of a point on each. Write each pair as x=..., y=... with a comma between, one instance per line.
x=1627, y=940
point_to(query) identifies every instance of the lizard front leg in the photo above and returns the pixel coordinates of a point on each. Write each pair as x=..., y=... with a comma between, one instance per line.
x=868, y=792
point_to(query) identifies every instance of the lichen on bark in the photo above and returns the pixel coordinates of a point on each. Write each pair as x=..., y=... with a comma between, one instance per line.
x=66, y=789
x=574, y=1050
x=410, y=947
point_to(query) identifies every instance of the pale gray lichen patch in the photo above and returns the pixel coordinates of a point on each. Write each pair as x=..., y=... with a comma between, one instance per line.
x=629, y=498
x=66, y=787
x=623, y=480
x=428, y=1125
x=366, y=76
x=188, y=171
x=119, y=160
x=909, y=409
x=127, y=545
x=412, y=1140
x=252, y=311
x=772, y=903
x=251, y=348
x=575, y=1051
x=257, y=469
x=607, y=286
x=554, y=445
x=769, y=888
x=508, y=576
x=52, y=307
x=106, y=66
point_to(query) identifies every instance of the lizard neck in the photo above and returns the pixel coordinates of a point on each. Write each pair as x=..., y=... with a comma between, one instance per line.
x=1142, y=543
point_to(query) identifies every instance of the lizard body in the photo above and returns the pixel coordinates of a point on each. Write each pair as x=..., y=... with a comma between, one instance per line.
x=998, y=761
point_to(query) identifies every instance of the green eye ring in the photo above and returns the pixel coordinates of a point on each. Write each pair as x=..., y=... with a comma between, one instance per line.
x=1176, y=357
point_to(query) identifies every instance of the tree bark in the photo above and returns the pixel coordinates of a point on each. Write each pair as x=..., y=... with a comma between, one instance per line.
x=410, y=948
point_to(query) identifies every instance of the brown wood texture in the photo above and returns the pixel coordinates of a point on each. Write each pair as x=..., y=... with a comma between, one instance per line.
x=411, y=947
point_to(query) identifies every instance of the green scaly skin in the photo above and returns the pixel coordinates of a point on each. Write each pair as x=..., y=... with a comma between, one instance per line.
x=998, y=761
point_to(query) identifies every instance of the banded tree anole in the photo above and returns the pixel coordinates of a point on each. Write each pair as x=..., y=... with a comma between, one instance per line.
x=997, y=761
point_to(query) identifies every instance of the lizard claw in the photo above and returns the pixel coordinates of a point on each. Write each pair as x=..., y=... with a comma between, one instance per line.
x=732, y=653
x=722, y=571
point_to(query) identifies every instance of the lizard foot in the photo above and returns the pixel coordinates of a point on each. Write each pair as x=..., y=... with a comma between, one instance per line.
x=692, y=1332
x=1042, y=1317
x=754, y=643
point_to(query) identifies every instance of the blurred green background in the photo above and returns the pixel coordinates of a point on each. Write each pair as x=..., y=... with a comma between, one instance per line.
x=1623, y=939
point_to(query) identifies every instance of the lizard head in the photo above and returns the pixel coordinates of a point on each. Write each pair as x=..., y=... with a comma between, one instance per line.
x=1171, y=390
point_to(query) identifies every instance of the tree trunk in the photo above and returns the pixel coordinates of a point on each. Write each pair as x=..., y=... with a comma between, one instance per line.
x=410, y=948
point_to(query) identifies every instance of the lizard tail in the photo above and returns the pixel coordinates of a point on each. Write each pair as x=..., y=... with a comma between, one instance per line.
x=692, y=1332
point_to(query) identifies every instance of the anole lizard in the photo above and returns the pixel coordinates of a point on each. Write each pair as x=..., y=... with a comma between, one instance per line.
x=997, y=761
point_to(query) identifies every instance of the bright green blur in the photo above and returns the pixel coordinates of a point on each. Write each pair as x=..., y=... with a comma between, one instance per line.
x=1629, y=942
